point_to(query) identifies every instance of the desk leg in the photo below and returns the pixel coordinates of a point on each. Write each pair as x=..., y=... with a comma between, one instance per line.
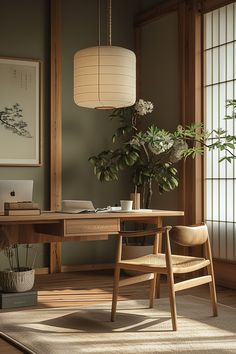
x=55, y=257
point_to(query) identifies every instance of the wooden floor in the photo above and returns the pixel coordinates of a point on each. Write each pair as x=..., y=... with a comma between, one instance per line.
x=87, y=288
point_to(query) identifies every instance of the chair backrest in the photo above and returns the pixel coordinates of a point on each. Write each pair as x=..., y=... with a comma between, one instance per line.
x=189, y=235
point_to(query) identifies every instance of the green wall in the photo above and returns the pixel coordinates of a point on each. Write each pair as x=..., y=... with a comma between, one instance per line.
x=24, y=29
x=160, y=83
x=86, y=131
x=24, y=33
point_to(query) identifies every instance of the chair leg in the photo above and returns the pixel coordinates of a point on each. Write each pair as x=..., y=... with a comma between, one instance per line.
x=170, y=280
x=153, y=288
x=212, y=285
x=212, y=288
x=115, y=293
x=213, y=298
x=158, y=286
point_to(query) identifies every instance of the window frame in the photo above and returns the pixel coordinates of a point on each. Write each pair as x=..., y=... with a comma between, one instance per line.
x=217, y=210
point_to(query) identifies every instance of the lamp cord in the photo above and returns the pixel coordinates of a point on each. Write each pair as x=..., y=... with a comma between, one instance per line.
x=109, y=22
x=99, y=44
x=99, y=37
x=99, y=22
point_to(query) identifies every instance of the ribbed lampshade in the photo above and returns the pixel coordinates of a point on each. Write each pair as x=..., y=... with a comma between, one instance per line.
x=104, y=77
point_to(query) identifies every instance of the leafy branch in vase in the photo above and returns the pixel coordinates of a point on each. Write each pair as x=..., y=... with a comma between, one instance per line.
x=152, y=153
x=11, y=119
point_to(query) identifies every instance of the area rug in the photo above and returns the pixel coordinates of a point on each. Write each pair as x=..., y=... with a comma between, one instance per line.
x=137, y=329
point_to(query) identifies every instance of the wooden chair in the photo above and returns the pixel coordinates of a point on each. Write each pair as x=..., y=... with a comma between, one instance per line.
x=169, y=264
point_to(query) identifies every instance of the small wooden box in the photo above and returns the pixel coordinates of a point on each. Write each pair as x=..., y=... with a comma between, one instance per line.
x=11, y=300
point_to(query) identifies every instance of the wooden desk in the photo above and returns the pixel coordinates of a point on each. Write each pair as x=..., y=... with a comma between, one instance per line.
x=51, y=227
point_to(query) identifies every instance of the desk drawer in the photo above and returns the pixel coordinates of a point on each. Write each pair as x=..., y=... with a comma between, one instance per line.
x=91, y=227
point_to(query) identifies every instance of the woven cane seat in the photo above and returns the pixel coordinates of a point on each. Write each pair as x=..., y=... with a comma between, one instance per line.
x=180, y=264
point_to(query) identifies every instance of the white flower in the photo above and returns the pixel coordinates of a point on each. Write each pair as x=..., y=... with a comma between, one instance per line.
x=180, y=128
x=161, y=145
x=143, y=107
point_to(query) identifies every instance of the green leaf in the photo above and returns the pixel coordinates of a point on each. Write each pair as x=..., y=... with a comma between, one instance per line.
x=227, y=158
x=230, y=145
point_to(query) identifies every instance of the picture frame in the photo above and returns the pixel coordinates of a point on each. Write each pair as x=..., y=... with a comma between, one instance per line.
x=20, y=112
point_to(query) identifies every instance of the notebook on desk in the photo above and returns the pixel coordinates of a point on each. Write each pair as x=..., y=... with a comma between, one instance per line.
x=15, y=191
x=80, y=206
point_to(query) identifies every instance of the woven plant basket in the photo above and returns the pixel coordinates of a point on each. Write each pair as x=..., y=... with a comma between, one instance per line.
x=15, y=281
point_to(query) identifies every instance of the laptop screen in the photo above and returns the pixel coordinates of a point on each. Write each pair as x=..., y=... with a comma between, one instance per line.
x=15, y=191
x=68, y=205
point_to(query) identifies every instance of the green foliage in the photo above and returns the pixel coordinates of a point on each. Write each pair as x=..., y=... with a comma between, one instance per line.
x=152, y=154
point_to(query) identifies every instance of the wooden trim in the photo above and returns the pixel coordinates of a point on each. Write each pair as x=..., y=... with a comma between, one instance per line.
x=156, y=12
x=182, y=31
x=56, y=126
x=44, y=270
x=86, y=267
x=56, y=107
x=210, y=5
x=193, y=183
x=77, y=268
x=225, y=273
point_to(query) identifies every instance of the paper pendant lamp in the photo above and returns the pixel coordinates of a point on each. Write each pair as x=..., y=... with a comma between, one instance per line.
x=104, y=77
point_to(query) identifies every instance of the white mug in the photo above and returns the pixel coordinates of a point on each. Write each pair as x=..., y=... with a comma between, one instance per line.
x=126, y=205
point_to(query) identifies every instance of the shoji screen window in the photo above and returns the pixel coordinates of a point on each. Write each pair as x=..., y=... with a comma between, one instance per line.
x=219, y=86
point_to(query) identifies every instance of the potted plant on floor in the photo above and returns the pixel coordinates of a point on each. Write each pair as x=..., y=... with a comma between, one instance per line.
x=18, y=277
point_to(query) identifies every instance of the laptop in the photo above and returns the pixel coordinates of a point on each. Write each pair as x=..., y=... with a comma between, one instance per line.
x=15, y=191
x=77, y=206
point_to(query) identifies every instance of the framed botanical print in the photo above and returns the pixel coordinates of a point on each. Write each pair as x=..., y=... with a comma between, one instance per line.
x=20, y=112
